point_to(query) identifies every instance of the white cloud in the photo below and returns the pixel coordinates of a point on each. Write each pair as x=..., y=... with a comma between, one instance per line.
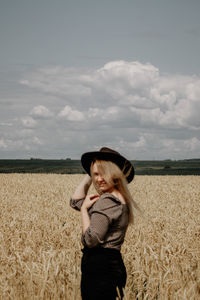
x=109, y=114
x=37, y=141
x=41, y=111
x=2, y=144
x=132, y=75
x=141, y=143
x=152, y=98
x=192, y=144
x=71, y=114
x=157, y=146
x=5, y=124
x=29, y=122
x=58, y=81
x=10, y=144
x=127, y=105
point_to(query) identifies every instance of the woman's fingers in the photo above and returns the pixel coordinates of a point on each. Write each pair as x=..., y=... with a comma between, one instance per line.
x=94, y=199
x=94, y=196
x=89, y=200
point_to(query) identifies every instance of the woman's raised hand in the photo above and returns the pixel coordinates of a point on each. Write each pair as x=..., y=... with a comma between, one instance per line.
x=90, y=200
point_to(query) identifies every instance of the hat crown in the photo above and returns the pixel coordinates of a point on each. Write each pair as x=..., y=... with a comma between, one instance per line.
x=108, y=150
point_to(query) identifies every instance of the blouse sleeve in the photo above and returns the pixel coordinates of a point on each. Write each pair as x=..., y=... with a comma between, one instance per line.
x=76, y=203
x=105, y=211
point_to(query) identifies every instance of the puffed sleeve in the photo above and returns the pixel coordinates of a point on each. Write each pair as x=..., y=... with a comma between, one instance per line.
x=76, y=203
x=105, y=211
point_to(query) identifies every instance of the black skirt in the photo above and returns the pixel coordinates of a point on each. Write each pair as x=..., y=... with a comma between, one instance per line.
x=103, y=271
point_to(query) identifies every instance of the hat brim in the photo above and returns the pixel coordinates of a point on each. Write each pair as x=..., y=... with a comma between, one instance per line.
x=88, y=157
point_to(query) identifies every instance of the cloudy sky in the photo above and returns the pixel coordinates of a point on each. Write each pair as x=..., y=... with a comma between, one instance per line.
x=76, y=75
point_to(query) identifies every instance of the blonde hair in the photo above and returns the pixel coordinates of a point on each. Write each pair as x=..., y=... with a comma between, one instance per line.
x=113, y=175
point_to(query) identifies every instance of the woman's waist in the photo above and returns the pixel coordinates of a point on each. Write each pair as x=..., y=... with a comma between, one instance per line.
x=101, y=249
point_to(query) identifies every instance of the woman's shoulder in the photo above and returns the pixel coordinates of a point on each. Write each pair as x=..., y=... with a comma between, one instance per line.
x=109, y=205
x=108, y=196
x=109, y=199
x=116, y=197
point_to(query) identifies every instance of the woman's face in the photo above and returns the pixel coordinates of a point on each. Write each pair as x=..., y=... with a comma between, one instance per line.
x=100, y=181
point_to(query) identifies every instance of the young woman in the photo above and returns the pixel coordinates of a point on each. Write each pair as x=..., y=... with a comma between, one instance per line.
x=105, y=217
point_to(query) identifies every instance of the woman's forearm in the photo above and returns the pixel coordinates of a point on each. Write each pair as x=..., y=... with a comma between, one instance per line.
x=82, y=188
x=85, y=219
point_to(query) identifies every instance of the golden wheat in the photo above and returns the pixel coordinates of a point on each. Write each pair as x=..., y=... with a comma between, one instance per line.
x=40, y=238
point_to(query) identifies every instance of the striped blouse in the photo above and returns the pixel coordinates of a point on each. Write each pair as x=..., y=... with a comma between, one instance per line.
x=108, y=222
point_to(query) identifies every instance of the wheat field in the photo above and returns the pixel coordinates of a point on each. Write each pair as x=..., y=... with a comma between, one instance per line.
x=40, y=248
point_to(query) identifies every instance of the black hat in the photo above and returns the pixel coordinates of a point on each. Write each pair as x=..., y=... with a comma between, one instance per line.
x=110, y=155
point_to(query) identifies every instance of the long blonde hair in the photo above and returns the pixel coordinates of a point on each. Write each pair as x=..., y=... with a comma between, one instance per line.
x=113, y=175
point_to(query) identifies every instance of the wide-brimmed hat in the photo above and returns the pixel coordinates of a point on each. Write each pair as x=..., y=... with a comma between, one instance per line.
x=110, y=155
